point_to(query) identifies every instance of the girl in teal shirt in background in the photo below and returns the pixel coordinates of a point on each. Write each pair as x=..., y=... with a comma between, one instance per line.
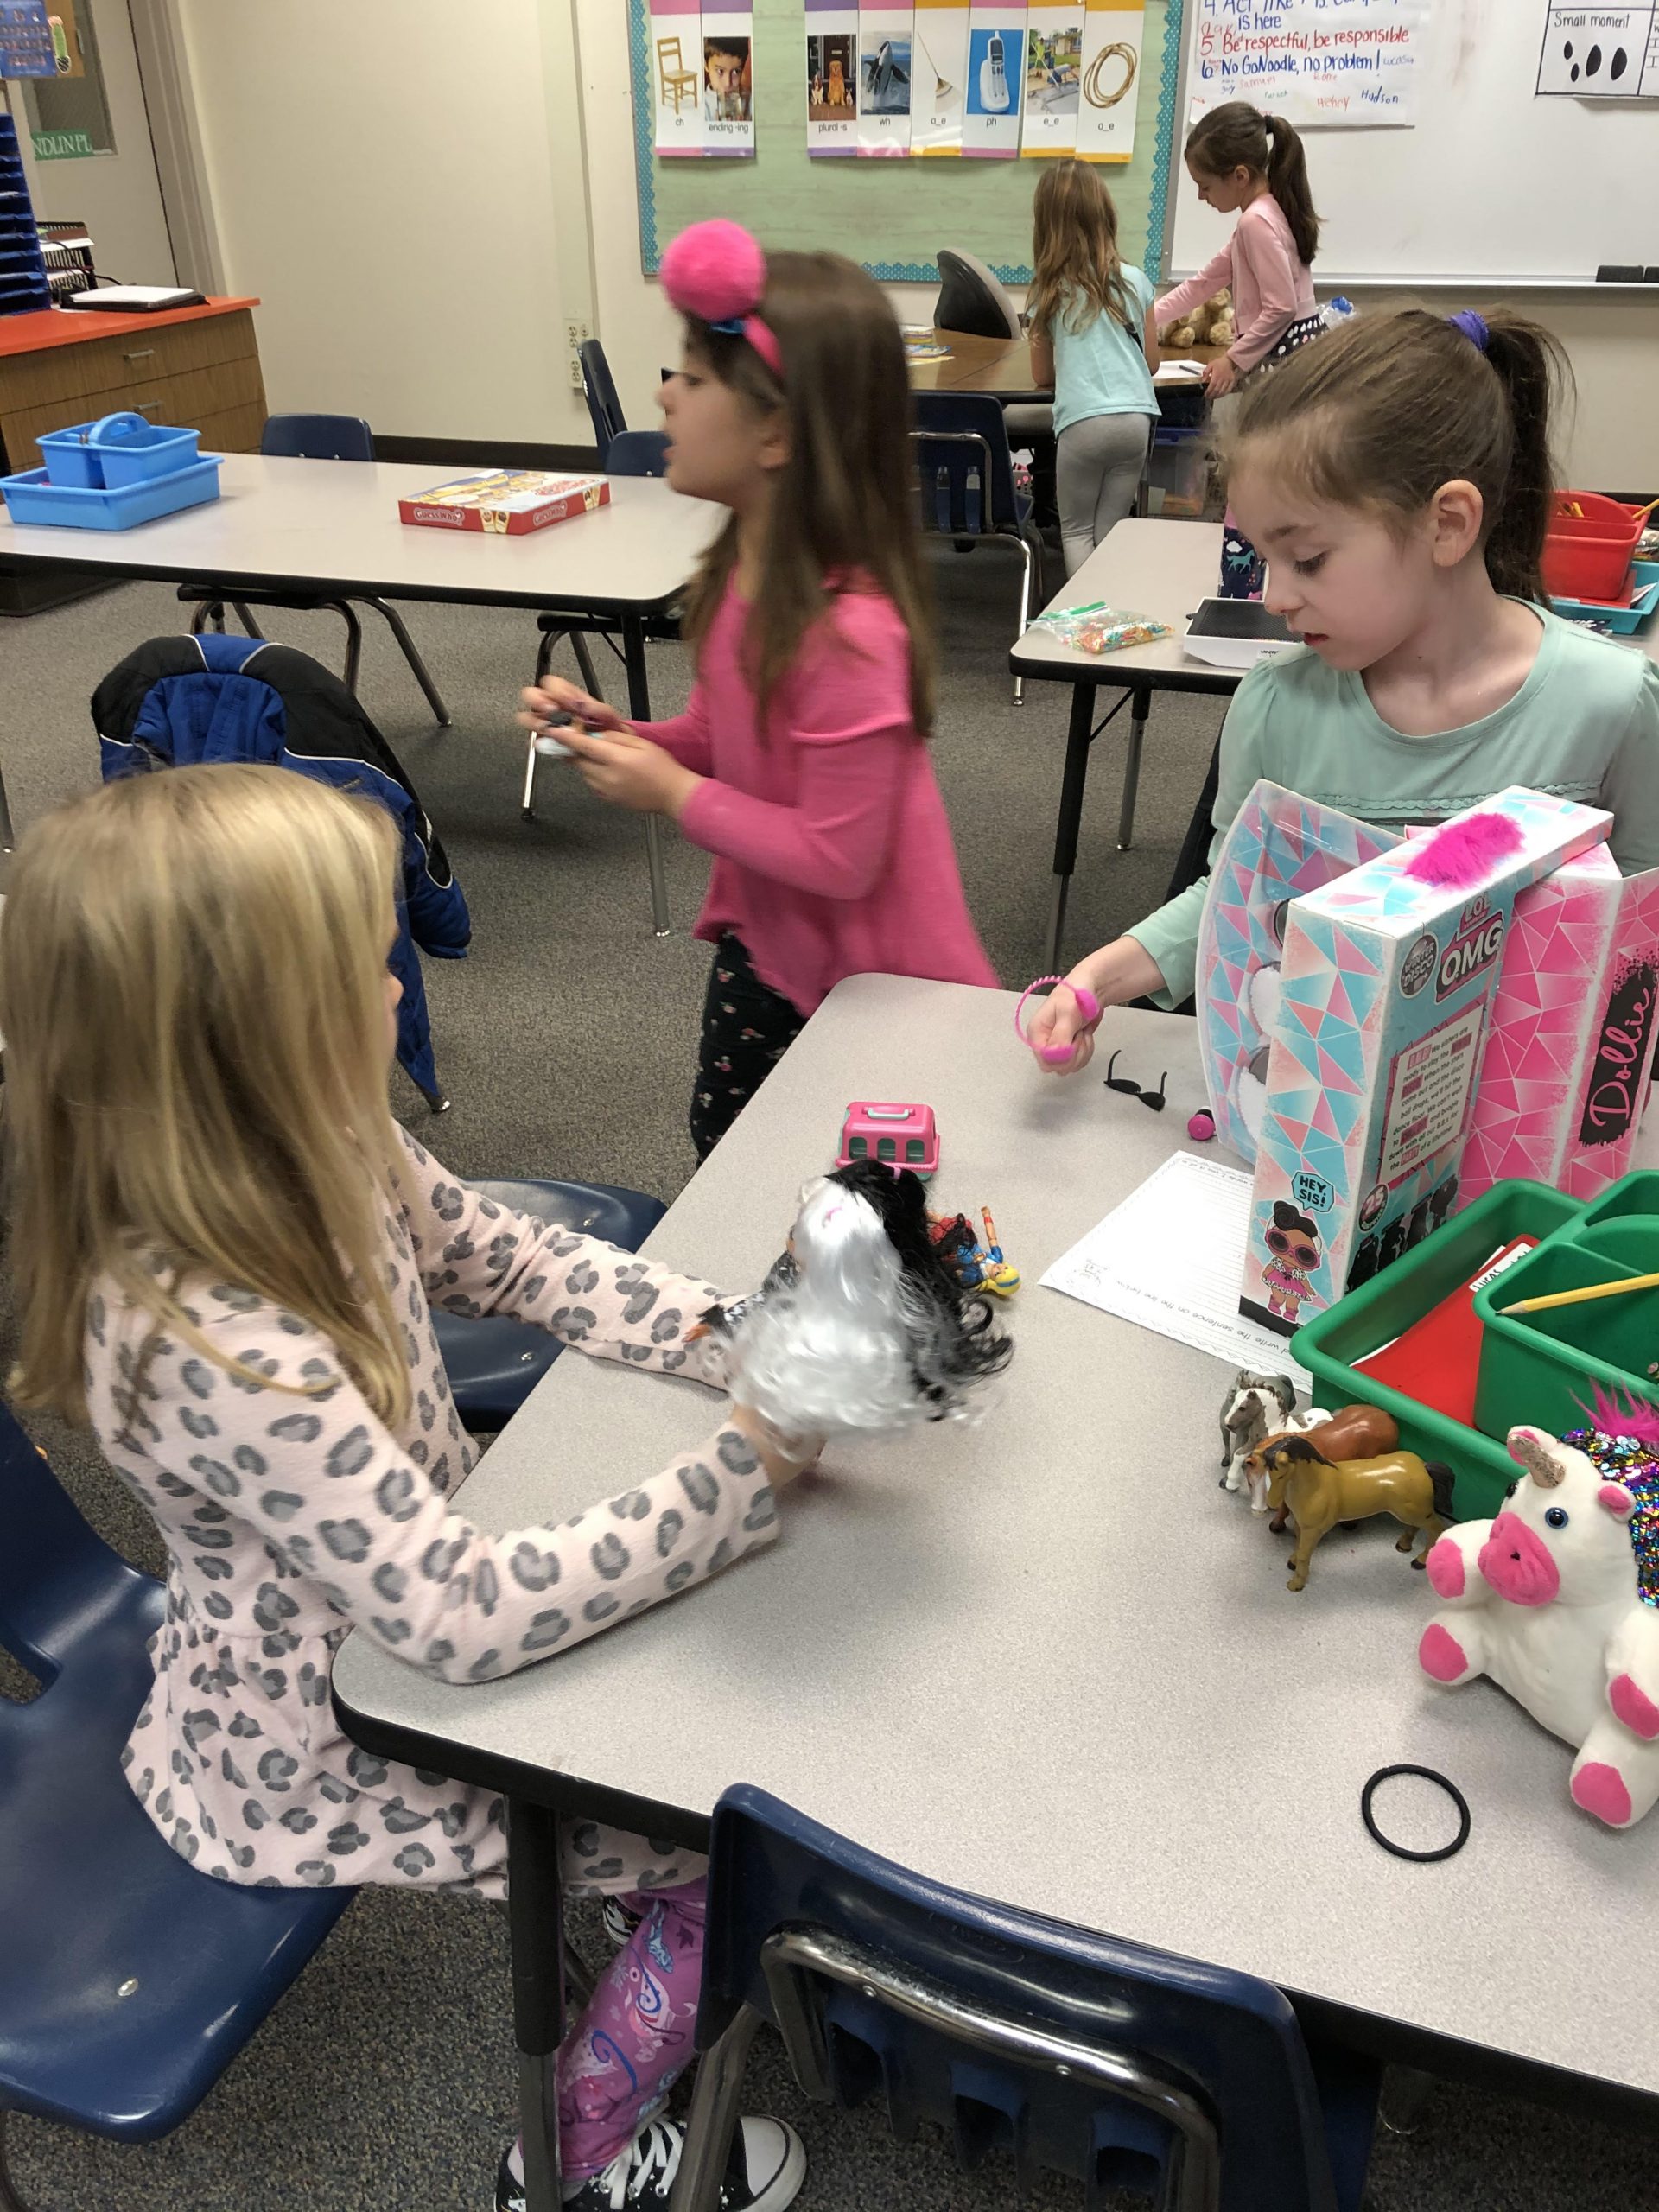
x=1397, y=476
x=1092, y=338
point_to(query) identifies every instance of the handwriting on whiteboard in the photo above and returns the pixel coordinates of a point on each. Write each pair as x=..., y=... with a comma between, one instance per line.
x=1328, y=62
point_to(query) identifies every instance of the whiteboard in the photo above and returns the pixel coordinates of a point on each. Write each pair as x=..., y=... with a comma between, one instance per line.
x=1492, y=186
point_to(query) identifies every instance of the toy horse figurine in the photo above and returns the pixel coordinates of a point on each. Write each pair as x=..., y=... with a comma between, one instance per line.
x=1351, y=1432
x=1558, y=1600
x=864, y=1325
x=1321, y=1491
x=1255, y=1407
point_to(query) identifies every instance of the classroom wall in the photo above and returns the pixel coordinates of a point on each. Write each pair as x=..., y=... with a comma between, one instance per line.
x=1613, y=345
x=382, y=177
x=424, y=200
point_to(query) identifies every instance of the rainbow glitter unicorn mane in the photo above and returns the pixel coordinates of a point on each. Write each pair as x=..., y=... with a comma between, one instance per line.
x=1622, y=1446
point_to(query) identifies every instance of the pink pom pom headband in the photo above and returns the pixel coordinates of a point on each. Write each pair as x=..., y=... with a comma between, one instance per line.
x=716, y=271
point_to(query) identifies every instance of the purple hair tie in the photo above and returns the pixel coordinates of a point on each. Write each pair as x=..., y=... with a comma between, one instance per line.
x=1473, y=327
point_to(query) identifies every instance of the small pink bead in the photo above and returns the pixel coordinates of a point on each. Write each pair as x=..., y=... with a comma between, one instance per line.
x=1201, y=1126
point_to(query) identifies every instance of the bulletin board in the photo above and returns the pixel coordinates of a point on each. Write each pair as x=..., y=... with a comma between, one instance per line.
x=892, y=216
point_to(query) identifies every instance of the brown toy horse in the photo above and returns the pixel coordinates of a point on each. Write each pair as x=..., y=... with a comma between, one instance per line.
x=1321, y=1491
x=1351, y=1432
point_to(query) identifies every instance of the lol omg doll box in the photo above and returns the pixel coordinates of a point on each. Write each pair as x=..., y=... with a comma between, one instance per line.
x=1386, y=981
x=1570, y=1039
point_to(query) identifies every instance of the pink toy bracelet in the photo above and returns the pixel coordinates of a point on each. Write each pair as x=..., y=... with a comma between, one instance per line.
x=1088, y=1005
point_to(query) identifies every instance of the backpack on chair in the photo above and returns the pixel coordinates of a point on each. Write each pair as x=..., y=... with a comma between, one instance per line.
x=179, y=701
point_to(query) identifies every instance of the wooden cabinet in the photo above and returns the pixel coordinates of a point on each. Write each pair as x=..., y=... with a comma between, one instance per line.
x=197, y=368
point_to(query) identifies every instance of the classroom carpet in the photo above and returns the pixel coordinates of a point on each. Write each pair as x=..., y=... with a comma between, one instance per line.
x=385, y=2080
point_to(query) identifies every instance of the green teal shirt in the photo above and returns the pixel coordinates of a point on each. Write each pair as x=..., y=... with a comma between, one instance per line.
x=1583, y=725
x=1101, y=370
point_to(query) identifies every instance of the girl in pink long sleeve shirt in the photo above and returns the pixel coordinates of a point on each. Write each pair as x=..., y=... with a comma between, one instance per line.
x=1252, y=165
x=801, y=762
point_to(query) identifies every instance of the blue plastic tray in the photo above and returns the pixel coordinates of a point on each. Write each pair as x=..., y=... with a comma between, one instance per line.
x=31, y=498
x=1623, y=621
x=116, y=451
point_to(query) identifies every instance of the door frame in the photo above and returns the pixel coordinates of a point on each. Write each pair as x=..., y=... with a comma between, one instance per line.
x=175, y=134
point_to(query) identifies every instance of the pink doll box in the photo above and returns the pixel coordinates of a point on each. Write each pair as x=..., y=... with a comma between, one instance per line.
x=1570, y=1039
x=1386, y=983
x=1279, y=847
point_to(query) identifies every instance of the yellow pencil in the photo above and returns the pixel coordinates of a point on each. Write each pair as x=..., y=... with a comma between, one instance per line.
x=1578, y=1297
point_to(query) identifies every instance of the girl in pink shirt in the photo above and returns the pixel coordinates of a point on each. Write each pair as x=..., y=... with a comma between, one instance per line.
x=1252, y=165
x=801, y=761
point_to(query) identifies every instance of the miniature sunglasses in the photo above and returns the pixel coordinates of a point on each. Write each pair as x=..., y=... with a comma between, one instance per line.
x=1153, y=1098
x=1305, y=1255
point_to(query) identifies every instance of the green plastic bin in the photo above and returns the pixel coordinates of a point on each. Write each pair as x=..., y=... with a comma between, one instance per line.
x=1547, y=1365
x=1384, y=1308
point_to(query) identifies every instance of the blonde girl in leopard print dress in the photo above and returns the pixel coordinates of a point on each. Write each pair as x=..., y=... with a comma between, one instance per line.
x=227, y=1252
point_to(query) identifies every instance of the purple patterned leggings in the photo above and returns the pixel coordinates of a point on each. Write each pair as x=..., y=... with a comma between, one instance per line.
x=624, y=2054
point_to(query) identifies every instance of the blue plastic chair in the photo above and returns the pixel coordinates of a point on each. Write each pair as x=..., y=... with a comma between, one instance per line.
x=128, y=1980
x=1125, y=2068
x=494, y=1362
x=319, y=437
x=627, y=453
x=598, y=390
x=965, y=471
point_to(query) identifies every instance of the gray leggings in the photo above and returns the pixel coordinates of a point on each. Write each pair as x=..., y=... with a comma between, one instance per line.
x=1098, y=470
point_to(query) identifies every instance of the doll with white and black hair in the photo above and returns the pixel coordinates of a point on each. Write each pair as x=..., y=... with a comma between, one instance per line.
x=863, y=1326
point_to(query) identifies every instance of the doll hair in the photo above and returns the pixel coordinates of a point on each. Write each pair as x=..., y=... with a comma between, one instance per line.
x=870, y=1330
x=1237, y=135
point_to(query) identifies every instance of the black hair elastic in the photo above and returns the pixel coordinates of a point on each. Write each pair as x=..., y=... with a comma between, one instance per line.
x=1399, y=1850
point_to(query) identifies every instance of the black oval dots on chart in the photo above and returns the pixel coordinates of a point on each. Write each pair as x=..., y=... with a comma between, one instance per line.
x=1617, y=66
x=1592, y=62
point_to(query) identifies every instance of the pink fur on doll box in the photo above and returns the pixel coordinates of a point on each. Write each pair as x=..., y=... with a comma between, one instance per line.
x=1570, y=1034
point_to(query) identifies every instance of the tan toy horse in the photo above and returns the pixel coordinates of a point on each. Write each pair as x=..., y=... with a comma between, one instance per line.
x=1321, y=1491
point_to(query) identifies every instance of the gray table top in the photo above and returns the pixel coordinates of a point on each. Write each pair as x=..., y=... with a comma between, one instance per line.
x=1045, y=1658
x=304, y=523
x=1148, y=566
x=1144, y=566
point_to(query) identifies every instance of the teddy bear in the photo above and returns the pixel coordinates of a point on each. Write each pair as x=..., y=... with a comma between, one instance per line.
x=1211, y=324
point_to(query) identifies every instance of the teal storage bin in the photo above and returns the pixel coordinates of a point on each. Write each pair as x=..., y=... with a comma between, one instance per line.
x=115, y=452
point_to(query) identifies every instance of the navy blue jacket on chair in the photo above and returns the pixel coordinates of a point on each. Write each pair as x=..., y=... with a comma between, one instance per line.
x=176, y=702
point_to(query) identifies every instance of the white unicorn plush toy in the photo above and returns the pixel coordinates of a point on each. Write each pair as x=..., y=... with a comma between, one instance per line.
x=1558, y=1600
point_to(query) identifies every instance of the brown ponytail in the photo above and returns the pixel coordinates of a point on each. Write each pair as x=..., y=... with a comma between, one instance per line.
x=1237, y=135
x=1388, y=408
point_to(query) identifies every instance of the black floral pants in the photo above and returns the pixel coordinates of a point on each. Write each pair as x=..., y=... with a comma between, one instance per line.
x=746, y=1029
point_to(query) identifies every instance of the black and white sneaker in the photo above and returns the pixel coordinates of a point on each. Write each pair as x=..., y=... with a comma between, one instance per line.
x=763, y=2174
x=618, y=1921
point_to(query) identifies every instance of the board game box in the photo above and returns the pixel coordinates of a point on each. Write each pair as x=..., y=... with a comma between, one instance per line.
x=510, y=502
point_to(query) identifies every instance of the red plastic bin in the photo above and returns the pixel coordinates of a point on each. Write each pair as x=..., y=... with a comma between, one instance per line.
x=1588, y=554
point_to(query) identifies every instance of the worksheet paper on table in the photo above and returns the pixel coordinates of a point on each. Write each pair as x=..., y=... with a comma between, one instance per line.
x=1171, y=1257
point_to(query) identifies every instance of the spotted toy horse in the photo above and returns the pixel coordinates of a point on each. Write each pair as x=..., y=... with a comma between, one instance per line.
x=1557, y=1600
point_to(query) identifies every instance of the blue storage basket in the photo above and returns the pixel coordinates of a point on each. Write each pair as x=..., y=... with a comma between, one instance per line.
x=114, y=452
x=31, y=499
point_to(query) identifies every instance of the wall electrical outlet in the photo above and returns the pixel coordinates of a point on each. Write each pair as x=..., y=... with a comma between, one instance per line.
x=576, y=336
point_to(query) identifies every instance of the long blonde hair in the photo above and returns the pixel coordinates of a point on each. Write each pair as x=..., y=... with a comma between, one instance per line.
x=845, y=507
x=1077, y=270
x=192, y=996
